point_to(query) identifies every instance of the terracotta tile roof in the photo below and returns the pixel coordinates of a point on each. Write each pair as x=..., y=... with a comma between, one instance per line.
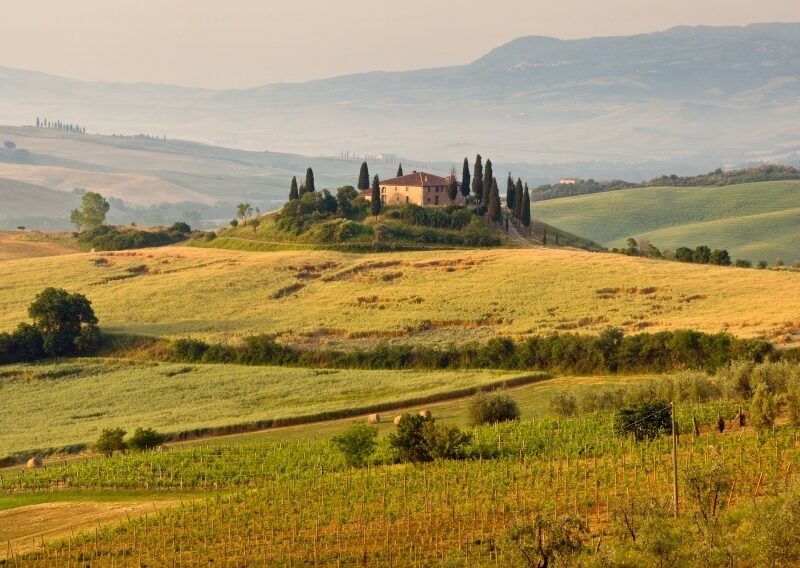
x=417, y=179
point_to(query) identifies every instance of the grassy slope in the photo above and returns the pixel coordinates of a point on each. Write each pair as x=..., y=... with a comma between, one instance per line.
x=220, y=294
x=52, y=405
x=425, y=297
x=755, y=220
x=16, y=245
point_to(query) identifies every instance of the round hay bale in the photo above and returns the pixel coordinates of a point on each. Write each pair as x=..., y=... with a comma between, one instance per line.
x=374, y=419
x=426, y=414
x=34, y=463
x=397, y=419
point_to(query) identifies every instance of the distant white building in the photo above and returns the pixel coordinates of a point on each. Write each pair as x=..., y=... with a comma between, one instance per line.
x=568, y=181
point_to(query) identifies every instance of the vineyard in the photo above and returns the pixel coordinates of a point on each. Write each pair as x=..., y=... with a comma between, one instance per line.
x=298, y=504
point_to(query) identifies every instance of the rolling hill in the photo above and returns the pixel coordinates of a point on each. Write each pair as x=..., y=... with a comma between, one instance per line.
x=430, y=297
x=753, y=221
x=688, y=98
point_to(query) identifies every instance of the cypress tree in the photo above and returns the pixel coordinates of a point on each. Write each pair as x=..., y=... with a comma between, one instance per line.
x=495, y=214
x=526, y=211
x=309, y=185
x=477, y=179
x=375, y=199
x=400, y=170
x=488, y=176
x=293, y=191
x=465, y=179
x=363, y=177
x=519, y=198
x=452, y=188
x=511, y=199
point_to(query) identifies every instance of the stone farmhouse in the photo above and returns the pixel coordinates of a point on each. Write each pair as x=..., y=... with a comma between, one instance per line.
x=419, y=188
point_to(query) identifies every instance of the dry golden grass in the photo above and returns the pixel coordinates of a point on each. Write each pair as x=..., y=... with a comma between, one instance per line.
x=425, y=297
x=14, y=246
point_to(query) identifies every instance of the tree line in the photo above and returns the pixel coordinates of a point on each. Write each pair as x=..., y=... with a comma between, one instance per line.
x=59, y=125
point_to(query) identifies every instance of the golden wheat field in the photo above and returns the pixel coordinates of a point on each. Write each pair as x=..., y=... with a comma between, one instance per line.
x=423, y=297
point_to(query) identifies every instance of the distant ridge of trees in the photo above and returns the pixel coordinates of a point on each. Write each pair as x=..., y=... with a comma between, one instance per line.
x=717, y=178
x=59, y=125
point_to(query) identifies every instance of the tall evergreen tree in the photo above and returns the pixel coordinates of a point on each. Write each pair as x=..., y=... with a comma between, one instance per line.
x=294, y=193
x=309, y=185
x=452, y=187
x=510, y=193
x=375, y=199
x=526, y=209
x=518, y=199
x=488, y=176
x=465, y=179
x=400, y=170
x=477, y=179
x=363, y=177
x=495, y=215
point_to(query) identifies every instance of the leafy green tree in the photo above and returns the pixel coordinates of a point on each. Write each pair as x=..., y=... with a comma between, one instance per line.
x=357, y=443
x=400, y=170
x=526, y=211
x=492, y=408
x=564, y=404
x=720, y=257
x=375, y=200
x=510, y=192
x=488, y=176
x=632, y=247
x=495, y=213
x=477, y=179
x=294, y=192
x=309, y=184
x=408, y=441
x=344, y=199
x=684, y=254
x=92, y=213
x=465, y=178
x=702, y=255
x=363, y=177
x=452, y=188
x=646, y=420
x=110, y=441
x=66, y=322
x=244, y=211
x=145, y=439
x=763, y=407
x=444, y=442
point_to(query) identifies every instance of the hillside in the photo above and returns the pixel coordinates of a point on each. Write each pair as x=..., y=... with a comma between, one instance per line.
x=325, y=297
x=753, y=221
x=688, y=98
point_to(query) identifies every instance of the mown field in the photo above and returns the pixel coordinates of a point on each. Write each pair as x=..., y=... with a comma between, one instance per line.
x=753, y=221
x=19, y=245
x=58, y=404
x=318, y=297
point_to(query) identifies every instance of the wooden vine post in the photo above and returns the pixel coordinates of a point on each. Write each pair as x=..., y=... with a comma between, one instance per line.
x=674, y=461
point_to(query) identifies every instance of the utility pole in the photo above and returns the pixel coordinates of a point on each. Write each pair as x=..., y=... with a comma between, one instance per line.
x=674, y=461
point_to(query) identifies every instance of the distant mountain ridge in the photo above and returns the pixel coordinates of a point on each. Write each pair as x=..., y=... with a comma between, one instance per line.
x=683, y=100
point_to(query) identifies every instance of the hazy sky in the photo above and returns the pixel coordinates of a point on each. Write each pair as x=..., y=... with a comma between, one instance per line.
x=242, y=43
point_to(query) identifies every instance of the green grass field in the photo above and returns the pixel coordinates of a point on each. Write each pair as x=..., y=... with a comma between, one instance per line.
x=753, y=221
x=53, y=405
x=312, y=298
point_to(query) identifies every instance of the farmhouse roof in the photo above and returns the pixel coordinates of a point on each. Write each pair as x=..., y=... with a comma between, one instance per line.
x=417, y=179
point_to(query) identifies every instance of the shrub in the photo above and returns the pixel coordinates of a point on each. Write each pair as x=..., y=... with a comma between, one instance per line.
x=763, y=408
x=23, y=344
x=646, y=420
x=546, y=542
x=190, y=350
x=444, y=442
x=564, y=404
x=145, y=439
x=357, y=443
x=793, y=402
x=408, y=441
x=110, y=441
x=492, y=408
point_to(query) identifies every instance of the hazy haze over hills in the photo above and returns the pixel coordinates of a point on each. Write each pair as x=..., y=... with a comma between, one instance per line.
x=683, y=100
